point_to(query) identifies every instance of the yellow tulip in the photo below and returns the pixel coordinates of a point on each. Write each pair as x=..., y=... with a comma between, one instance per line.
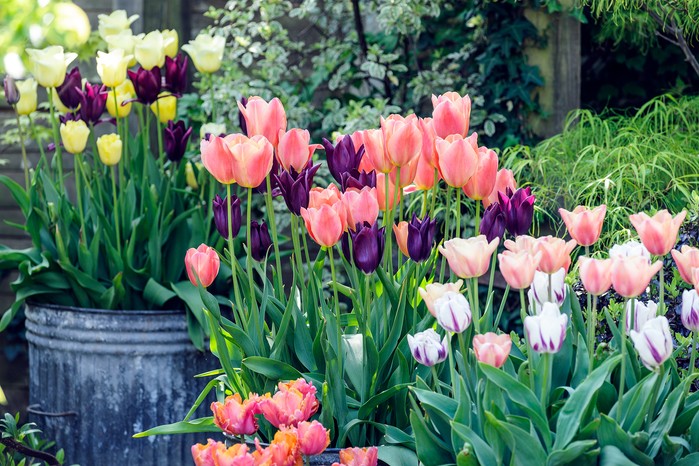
x=171, y=42
x=126, y=41
x=167, y=107
x=114, y=23
x=150, y=50
x=190, y=176
x=112, y=67
x=206, y=52
x=124, y=91
x=49, y=65
x=74, y=136
x=109, y=148
x=27, y=96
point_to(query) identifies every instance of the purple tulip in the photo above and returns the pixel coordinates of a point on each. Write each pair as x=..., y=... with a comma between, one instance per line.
x=367, y=246
x=260, y=241
x=493, y=222
x=93, y=99
x=220, y=207
x=427, y=348
x=176, y=74
x=421, y=238
x=11, y=91
x=147, y=84
x=355, y=179
x=176, y=139
x=69, y=117
x=295, y=187
x=342, y=157
x=519, y=210
x=71, y=90
x=241, y=118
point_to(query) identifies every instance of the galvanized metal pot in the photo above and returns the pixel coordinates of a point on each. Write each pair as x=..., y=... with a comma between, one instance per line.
x=97, y=377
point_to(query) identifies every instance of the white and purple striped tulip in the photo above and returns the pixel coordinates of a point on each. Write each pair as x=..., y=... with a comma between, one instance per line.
x=453, y=312
x=653, y=342
x=547, y=330
x=690, y=310
x=427, y=348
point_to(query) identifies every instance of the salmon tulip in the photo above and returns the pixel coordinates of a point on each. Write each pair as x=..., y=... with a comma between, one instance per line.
x=291, y=404
x=217, y=159
x=361, y=206
x=686, y=259
x=456, y=160
x=375, y=150
x=555, y=253
x=294, y=150
x=451, y=114
x=492, y=349
x=631, y=275
x=235, y=416
x=518, y=268
x=264, y=118
x=522, y=243
x=326, y=223
x=482, y=182
x=324, y=196
x=504, y=180
x=358, y=457
x=313, y=438
x=428, y=151
x=659, y=232
x=402, y=139
x=401, y=233
x=251, y=159
x=596, y=275
x=584, y=225
x=424, y=174
x=469, y=258
x=432, y=292
x=202, y=263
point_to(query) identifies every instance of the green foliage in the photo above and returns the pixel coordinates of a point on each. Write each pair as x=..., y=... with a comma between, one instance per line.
x=27, y=437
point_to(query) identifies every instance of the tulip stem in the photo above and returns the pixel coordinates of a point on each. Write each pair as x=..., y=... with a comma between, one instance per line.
x=231, y=251
x=452, y=367
x=654, y=397
x=433, y=200
x=275, y=238
x=545, y=379
x=423, y=211
x=78, y=190
x=692, y=359
x=388, y=254
x=116, y=210
x=502, y=307
x=25, y=162
x=248, y=261
x=446, y=235
x=661, y=307
x=458, y=212
x=435, y=380
x=38, y=140
x=213, y=97
x=338, y=325
x=478, y=219
x=297, y=247
x=57, y=141
x=491, y=280
x=523, y=315
x=591, y=327
x=474, y=305
x=622, y=324
x=158, y=125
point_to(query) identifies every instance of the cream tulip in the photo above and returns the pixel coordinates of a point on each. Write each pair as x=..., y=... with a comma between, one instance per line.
x=114, y=23
x=74, y=134
x=124, y=92
x=112, y=67
x=206, y=52
x=27, y=96
x=109, y=149
x=165, y=108
x=149, y=50
x=49, y=65
x=171, y=41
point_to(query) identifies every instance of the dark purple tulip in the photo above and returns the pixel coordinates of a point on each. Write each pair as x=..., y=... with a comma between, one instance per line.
x=93, y=99
x=220, y=207
x=493, y=222
x=367, y=246
x=295, y=187
x=71, y=90
x=354, y=179
x=69, y=117
x=241, y=118
x=11, y=91
x=176, y=139
x=147, y=84
x=260, y=240
x=519, y=210
x=421, y=237
x=176, y=74
x=342, y=157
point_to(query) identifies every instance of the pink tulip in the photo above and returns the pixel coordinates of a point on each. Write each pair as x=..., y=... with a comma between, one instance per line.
x=293, y=403
x=432, y=292
x=402, y=139
x=424, y=174
x=518, y=268
x=456, y=160
x=203, y=454
x=264, y=118
x=294, y=150
x=555, y=253
x=659, y=232
x=469, y=258
x=686, y=259
x=251, y=158
x=695, y=278
x=217, y=159
x=375, y=150
x=357, y=140
x=236, y=455
x=202, y=263
x=451, y=114
x=504, y=179
x=482, y=182
x=361, y=206
x=522, y=243
x=584, y=225
x=326, y=223
x=407, y=173
x=428, y=151
x=381, y=192
x=492, y=349
x=313, y=438
x=358, y=457
x=596, y=275
x=236, y=417
x=401, y=232
x=631, y=275
x=324, y=196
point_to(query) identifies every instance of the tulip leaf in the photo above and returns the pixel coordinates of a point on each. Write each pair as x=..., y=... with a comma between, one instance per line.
x=571, y=453
x=157, y=294
x=612, y=456
x=370, y=405
x=427, y=443
x=483, y=451
x=635, y=403
x=690, y=460
x=190, y=295
x=661, y=424
x=201, y=425
x=271, y=368
x=611, y=434
x=582, y=362
x=526, y=449
x=397, y=456
x=18, y=193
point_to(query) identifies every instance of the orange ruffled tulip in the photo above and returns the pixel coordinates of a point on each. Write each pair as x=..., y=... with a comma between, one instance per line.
x=236, y=455
x=400, y=230
x=492, y=349
x=217, y=159
x=504, y=179
x=451, y=114
x=482, y=182
x=456, y=160
x=518, y=268
x=361, y=206
x=555, y=253
x=203, y=454
x=596, y=275
x=264, y=118
x=631, y=275
x=469, y=258
x=358, y=457
x=202, y=262
x=375, y=150
x=686, y=259
x=584, y=225
x=313, y=438
x=236, y=417
x=432, y=292
x=251, y=159
x=283, y=451
x=294, y=402
x=402, y=139
x=659, y=232
x=295, y=150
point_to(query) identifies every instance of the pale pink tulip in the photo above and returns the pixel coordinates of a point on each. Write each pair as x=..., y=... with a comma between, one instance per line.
x=469, y=258
x=584, y=225
x=433, y=291
x=202, y=263
x=456, y=160
x=217, y=159
x=324, y=196
x=251, y=159
x=294, y=150
x=518, y=268
x=504, y=179
x=482, y=182
x=375, y=150
x=522, y=243
x=686, y=259
x=659, y=232
x=402, y=139
x=492, y=349
x=596, y=275
x=631, y=275
x=451, y=114
x=555, y=253
x=361, y=206
x=326, y=223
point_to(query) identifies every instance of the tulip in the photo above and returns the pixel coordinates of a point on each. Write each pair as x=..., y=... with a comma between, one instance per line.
x=402, y=139
x=176, y=138
x=149, y=50
x=147, y=83
x=596, y=275
x=49, y=65
x=690, y=310
x=202, y=264
x=519, y=210
x=74, y=136
x=518, y=268
x=522, y=243
x=420, y=238
x=451, y=114
x=93, y=99
x=453, y=312
x=313, y=438
x=427, y=348
x=428, y=151
x=203, y=454
x=361, y=206
x=358, y=180
x=469, y=258
x=295, y=187
x=326, y=223
x=291, y=404
x=109, y=149
x=503, y=181
x=400, y=231
x=217, y=159
x=653, y=342
x=209, y=129
x=27, y=96
x=206, y=52
x=433, y=291
x=11, y=92
x=539, y=292
x=264, y=118
x=190, y=176
x=124, y=40
x=381, y=193
x=176, y=74
x=424, y=174
x=375, y=150
x=547, y=330
x=260, y=241
x=631, y=275
x=367, y=246
x=324, y=196
x=481, y=184
x=695, y=278
x=555, y=253
x=492, y=349
x=295, y=150
x=630, y=248
x=456, y=160
x=125, y=92
x=493, y=222
x=283, y=451
x=114, y=23
x=236, y=455
x=641, y=314
x=358, y=457
x=220, y=208
x=251, y=159
x=235, y=416
x=171, y=41
x=165, y=107
x=69, y=92
x=112, y=66
x=584, y=225
x=686, y=259
x=659, y=232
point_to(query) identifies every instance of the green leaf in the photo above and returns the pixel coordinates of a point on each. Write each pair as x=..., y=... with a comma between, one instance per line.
x=666, y=417
x=612, y=456
x=372, y=403
x=571, y=453
x=204, y=424
x=17, y=192
x=527, y=450
x=157, y=294
x=690, y=460
x=484, y=453
x=611, y=434
x=427, y=445
x=271, y=368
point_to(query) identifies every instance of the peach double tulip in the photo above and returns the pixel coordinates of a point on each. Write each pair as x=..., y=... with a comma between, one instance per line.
x=518, y=268
x=282, y=451
x=368, y=456
x=492, y=349
x=235, y=416
x=451, y=114
x=456, y=160
x=313, y=438
x=659, y=232
x=503, y=180
x=596, y=274
x=631, y=275
x=294, y=402
x=295, y=150
x=686, y=259
x=325, y=217
x=482, y=182
x=469, y=258
x=375, y=150
x=251, y=159
x=402, y=139
x=202, y=263
x=432, y=292
x=361, y=206
x=584, y=225
x=264, y=118
x=555, y=253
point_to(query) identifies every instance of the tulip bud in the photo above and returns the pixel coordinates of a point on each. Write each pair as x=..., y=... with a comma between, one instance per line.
x=453, y=312
x=555, y=253
x=220, y=208
x=491, y=348
x=367, y=246
x=493, y=222
x=93, y=99
x=427, y=348
x=176, y=74
x=202, y=264
x=190, y=176
x=74, y=136
x=313, y=438
x=547, y=330
x=456, y=160
x=481, y=184
x=451, y=115
x=27, y=96
x=420, y=238
x=539, y=292
x=176, y=138
x=641, y=314
x=402, y=139
x=361, y=206
x=11, y=91
x=690, y=310
x=206, y=52
x=264, y=118
x=260, y=240
x=109, y=149
x=165, y=107
x=653, y=342
x=632, y=274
